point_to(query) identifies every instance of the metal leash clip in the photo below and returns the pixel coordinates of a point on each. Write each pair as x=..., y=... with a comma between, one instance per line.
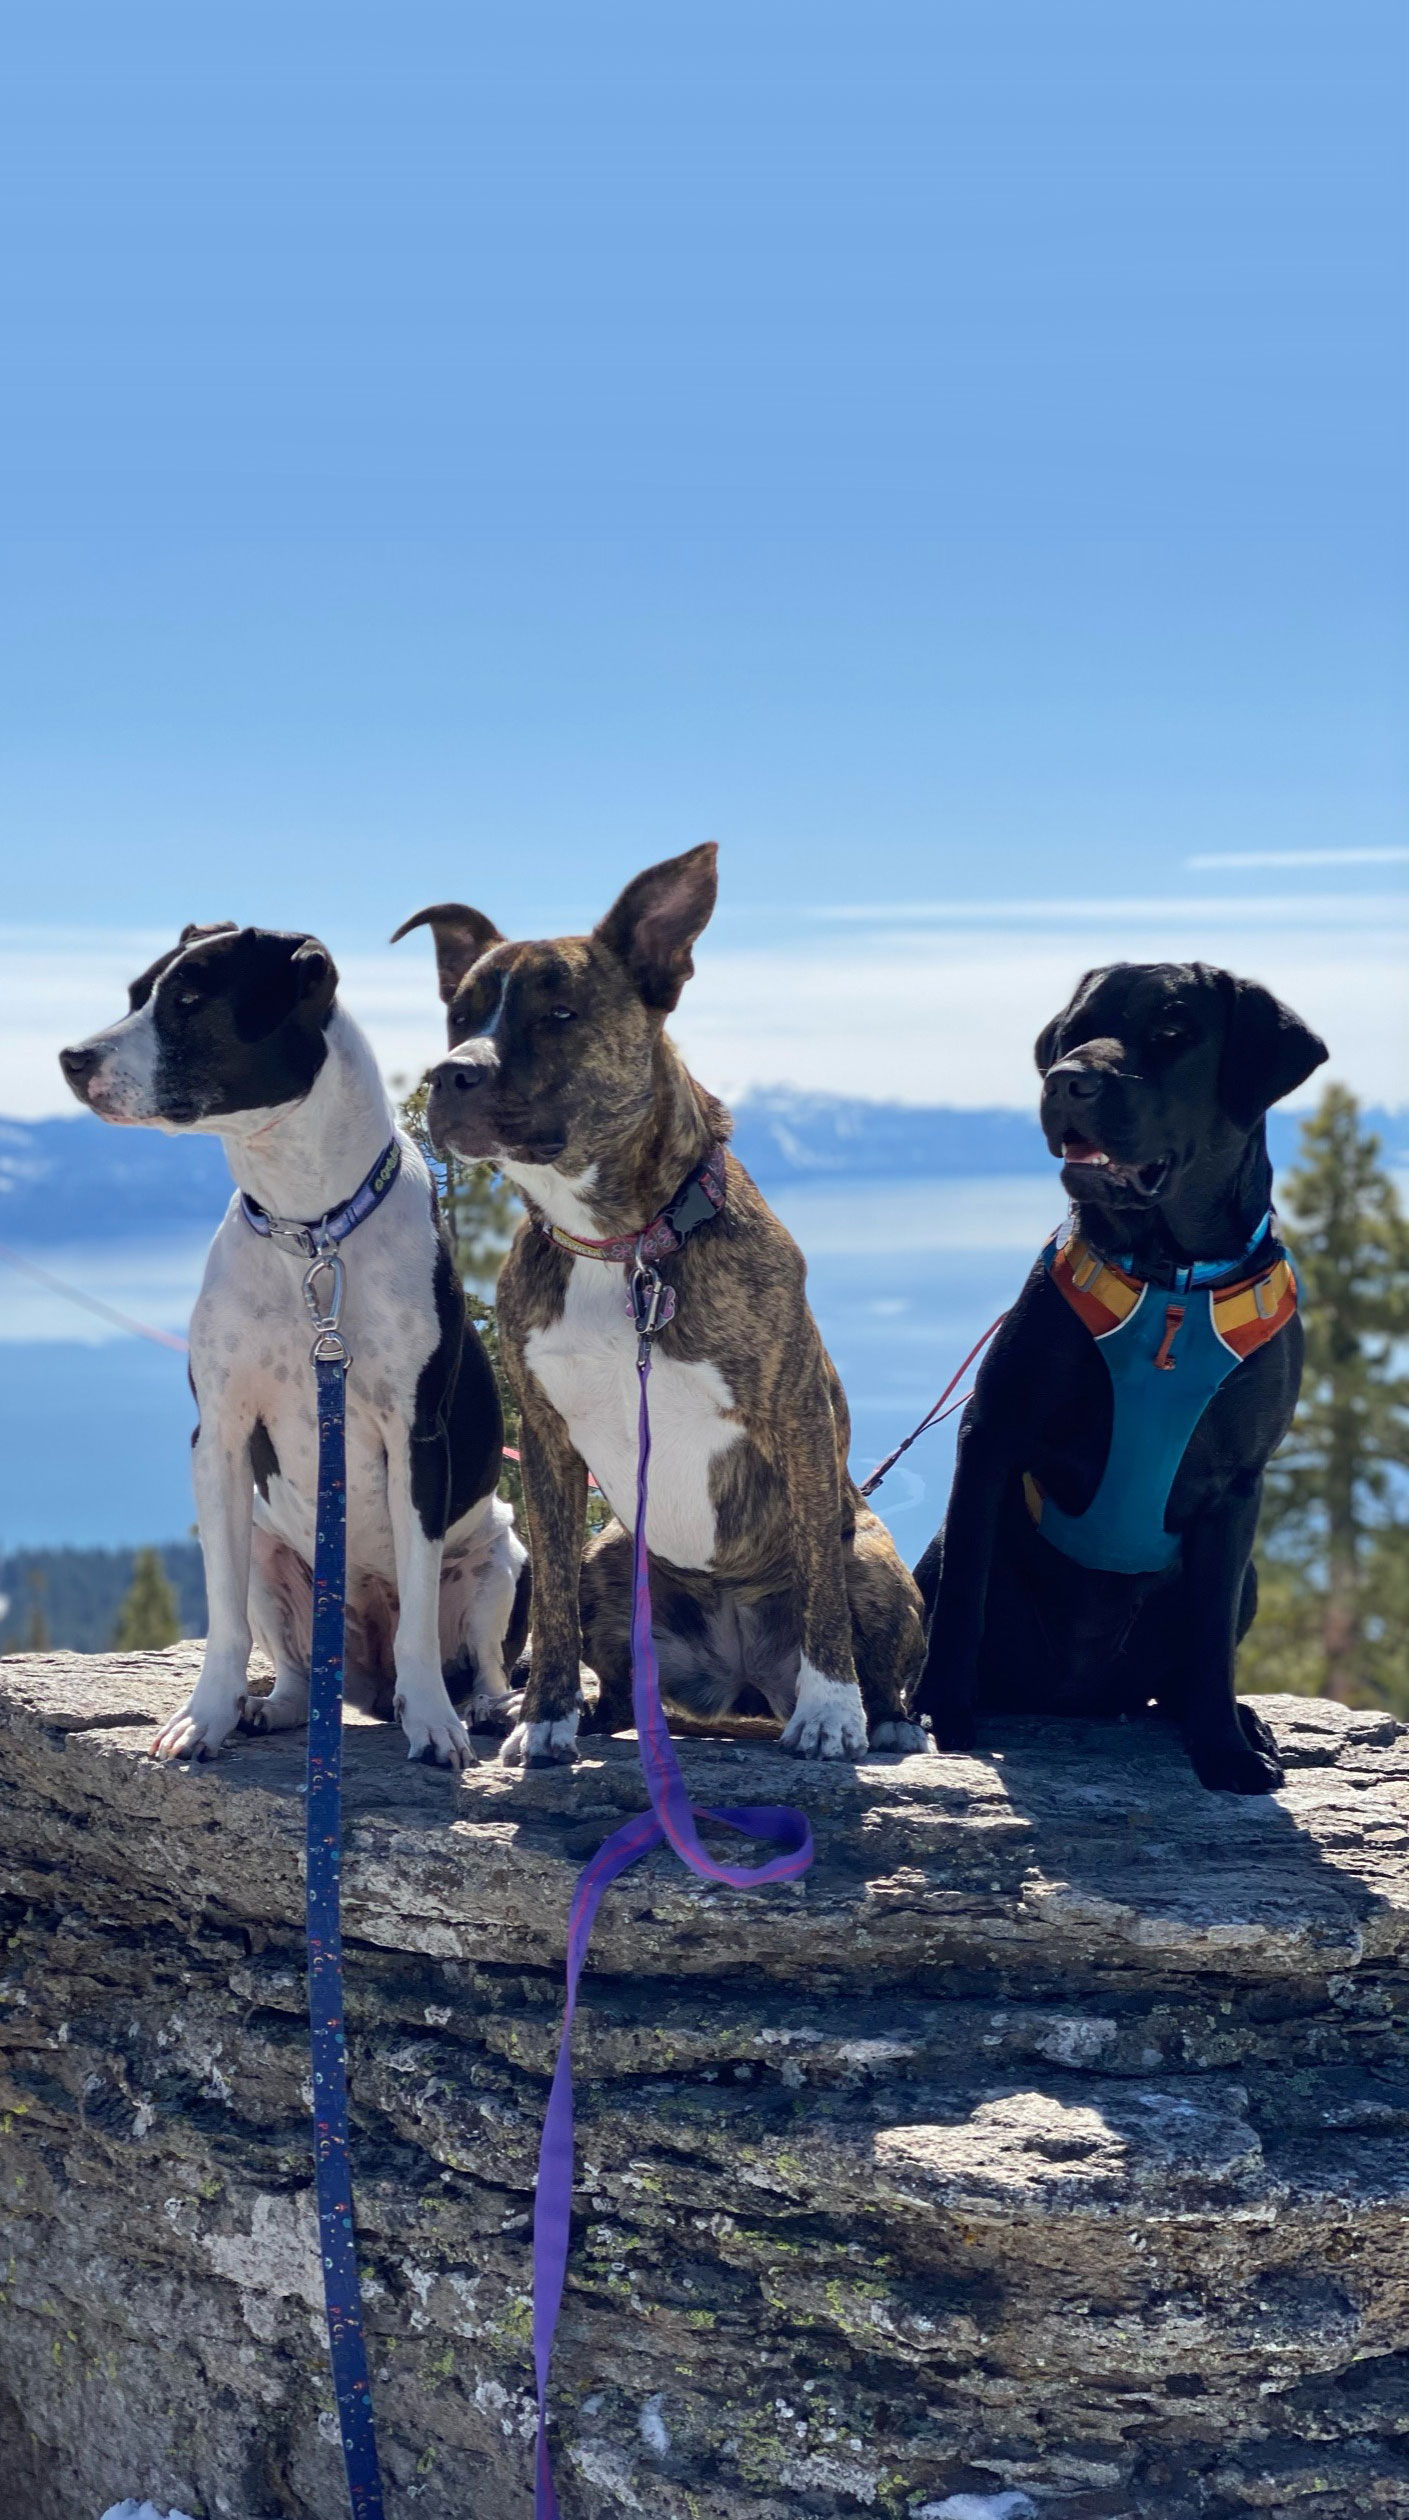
x=652, y=1304
x=329, y=1346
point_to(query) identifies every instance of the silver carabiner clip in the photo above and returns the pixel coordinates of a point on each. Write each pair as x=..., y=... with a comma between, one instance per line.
x=328, y=1345
x=652, y=1303
x=647, y=1289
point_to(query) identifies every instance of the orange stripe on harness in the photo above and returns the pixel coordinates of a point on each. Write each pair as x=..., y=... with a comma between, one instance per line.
x=1101, y=1295
x=1246, y=1316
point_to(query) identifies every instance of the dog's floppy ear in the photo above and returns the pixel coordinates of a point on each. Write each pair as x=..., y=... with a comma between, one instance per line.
x=1267, y=1050
x=653, y=925
x=461, y=936
x=315, y=977
x=274, y=976
x=1044, y=1049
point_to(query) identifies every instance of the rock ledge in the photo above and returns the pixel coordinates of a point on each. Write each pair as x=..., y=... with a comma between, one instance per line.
x=1051, y=2137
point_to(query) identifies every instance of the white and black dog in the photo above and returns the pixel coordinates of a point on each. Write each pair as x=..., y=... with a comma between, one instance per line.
x=237, y=1032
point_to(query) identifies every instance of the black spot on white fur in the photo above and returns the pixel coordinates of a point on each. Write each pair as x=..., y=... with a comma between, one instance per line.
x=457, y=1428
x=264, y=1461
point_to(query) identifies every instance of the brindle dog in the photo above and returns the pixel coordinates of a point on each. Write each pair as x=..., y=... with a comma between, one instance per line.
x=767, y=1571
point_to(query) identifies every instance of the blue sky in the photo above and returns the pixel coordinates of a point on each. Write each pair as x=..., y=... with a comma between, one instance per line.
x=953, y=454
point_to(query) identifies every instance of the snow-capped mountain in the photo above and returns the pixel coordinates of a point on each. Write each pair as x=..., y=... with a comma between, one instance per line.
x=75, y=1180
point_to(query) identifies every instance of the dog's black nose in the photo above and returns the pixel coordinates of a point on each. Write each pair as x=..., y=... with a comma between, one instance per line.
x=1077, y=1082
x=454, y=1076
x=78, y=1065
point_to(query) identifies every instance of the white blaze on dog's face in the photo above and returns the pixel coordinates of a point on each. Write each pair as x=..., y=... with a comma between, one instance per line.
x=554, y=1046
x=230, y=1021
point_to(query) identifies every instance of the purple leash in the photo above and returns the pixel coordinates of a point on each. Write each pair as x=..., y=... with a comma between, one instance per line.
x=671, y=1816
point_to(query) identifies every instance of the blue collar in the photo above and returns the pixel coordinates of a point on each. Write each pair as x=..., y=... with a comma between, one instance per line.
x=1200, y=1272
x=309, y=1239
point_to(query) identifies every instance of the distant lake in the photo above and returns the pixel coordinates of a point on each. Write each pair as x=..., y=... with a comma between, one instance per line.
x=903, y=1275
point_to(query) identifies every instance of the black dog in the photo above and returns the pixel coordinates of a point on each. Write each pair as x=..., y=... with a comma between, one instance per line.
x=1096, y=1555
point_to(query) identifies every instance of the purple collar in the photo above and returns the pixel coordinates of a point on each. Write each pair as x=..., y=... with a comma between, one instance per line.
x=311, y=1238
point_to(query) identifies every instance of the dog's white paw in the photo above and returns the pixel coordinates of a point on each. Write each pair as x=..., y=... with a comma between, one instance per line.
x=828, y=1720
x=899, y=1735
x=207, y=1719
x=494, y=1710
x=542, y=1745
x=282, y=1711
x=433, y=1731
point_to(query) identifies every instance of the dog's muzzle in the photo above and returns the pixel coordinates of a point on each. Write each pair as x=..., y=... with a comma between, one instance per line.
x=80, y=1066
x=1087, y=1122
x=457, y=1103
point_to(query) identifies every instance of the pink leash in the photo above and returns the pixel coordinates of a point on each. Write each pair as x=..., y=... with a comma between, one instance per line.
x=937, y=1414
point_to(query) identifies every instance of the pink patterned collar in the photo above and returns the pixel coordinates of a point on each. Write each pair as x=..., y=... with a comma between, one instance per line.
x=697, y=1201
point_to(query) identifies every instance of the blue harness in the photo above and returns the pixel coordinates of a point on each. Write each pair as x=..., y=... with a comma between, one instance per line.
x=1167, y=1351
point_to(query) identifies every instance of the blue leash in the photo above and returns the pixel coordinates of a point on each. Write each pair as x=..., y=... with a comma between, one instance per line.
x=332, y=2169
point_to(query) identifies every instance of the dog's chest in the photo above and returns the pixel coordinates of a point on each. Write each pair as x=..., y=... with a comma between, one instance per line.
x=250, y=1342
x=585, y=1363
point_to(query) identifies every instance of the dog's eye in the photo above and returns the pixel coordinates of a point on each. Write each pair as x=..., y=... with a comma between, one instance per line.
x=188, y=997
x=1171, y=1037
x=565, y=1015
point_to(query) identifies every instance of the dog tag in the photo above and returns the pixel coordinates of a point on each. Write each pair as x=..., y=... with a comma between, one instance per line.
x=665, y=1309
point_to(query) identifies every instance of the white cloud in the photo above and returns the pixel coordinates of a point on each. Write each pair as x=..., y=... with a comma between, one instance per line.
x=1149, y=914
x=950, y=1015
x=1299, y=857
x=923, y=1005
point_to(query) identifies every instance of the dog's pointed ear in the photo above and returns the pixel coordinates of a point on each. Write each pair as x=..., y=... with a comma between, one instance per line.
x=315, y=977
x=461, y=936
x=653, y=925
x=1267, y=1050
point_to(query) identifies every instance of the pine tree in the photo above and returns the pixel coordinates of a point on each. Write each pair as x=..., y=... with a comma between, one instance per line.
x=1334, y=1549
x=37, y=1639
x=148, y=1619
x=479, y=1209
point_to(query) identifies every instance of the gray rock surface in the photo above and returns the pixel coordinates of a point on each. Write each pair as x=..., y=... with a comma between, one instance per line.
x=1051, y=2138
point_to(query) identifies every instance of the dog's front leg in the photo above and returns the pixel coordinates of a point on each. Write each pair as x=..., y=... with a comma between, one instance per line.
x=433, y=1730
x=555, y=1493
x=828, y=1720
x=224, y=1484
x=1231, y=1748
x=948, y=1689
